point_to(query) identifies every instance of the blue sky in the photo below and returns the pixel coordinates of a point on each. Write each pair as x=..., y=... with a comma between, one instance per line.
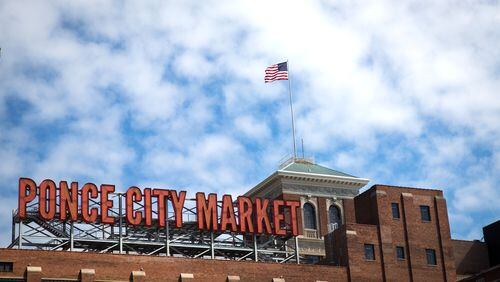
x=169, y=94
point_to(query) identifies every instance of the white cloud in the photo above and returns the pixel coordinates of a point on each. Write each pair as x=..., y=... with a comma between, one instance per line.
x=254, y=129
x=172, y=93
x=213, y=163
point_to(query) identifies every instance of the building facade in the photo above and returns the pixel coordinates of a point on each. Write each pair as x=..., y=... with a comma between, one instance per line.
x=397, y=234
x=386, y=233
x=479, y=261
x=322, y=193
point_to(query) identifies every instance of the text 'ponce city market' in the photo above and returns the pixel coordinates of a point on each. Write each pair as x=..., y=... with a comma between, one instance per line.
x=70, y=203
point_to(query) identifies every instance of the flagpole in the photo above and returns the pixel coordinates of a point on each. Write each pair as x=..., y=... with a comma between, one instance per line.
x=291, y=110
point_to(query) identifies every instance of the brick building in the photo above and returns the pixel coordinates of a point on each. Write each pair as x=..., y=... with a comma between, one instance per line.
x=397, y=234
x=479, y=261
x=385, y=233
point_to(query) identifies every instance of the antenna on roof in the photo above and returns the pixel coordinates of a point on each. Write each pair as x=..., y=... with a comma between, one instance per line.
x=302, y=139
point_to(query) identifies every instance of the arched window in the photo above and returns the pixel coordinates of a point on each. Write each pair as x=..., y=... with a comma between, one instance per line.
x=334, y=217
x=309, y=216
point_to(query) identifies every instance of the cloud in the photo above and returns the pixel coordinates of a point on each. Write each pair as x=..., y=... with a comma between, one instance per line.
x=213, y=163
x=172, y=94
x=252, y=128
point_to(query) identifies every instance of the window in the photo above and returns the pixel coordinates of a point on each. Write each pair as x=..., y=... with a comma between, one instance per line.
x=309, y=216
x=425, y=213
x=369, y=252
x=6, y=266
x=400, y=252
x=334, y=218
x=431, y=256
x=395, y=210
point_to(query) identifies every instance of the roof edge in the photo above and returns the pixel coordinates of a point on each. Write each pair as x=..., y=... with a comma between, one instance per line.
x=259, y=185
x=326, y=176
x=360, y=181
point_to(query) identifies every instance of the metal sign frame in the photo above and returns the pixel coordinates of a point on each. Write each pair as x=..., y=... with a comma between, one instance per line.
x=188, y=241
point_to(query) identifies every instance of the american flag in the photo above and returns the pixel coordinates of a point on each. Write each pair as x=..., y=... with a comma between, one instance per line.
x=276, y=72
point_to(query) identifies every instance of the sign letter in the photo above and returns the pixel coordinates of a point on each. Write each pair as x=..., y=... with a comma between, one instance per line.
x=106, y=204
x=68, y=201
x=206, y=211
x=89, y=190
x=278, y=217
x=245, y=214
x=178, y=204
x=227, y=216
x=133, y=195
x=27, y=193
x=261, y=215
x=47, y=200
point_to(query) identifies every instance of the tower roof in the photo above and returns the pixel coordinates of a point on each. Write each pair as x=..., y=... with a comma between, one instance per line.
x=308, y=167
x=306, y=171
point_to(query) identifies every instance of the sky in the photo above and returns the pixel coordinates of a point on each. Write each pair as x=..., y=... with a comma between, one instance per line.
x=171, y=94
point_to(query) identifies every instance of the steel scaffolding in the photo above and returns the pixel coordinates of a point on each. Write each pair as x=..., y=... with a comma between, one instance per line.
x=33, y=232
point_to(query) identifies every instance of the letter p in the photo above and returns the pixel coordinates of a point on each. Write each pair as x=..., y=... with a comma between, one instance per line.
x=27, y=193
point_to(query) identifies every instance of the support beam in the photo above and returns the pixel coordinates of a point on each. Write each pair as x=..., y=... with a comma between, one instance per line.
x=186, y=241
x=255, y=254
x=212, y=251
x=297, y=255
x=120, y=224
x=71, y=237
x=167, y=232
x=20, y=243
x=13, y=227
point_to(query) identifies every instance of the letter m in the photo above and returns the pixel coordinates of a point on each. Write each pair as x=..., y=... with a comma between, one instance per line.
x=206, y=211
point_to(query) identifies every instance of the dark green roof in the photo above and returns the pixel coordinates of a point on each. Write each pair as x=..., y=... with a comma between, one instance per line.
x=307, y=167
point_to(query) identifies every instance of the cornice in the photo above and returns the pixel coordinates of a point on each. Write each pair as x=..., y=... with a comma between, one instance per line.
x=325, y=178
x=344, y=181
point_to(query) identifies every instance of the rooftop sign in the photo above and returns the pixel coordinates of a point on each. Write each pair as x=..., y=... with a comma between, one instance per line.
x=92, y=204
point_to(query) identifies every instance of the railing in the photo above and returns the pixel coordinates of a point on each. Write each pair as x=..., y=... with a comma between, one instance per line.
x=332, y=227
x=288, y=159
x=310, y=233
x=187, y=241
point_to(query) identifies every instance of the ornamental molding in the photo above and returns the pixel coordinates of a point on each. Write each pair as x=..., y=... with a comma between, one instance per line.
x=318, y=191
x=310, y=179
x=324, y=178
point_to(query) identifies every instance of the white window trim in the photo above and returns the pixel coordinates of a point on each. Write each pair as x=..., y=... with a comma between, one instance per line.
x=313, y=201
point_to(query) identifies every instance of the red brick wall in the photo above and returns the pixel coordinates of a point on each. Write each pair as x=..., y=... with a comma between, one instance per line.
x=385, y=233
x=444, y=238
x=359, y=268
x=470, y=256
x=349, y=211
x=389, y=238
x=411, y=232
x=336, y=247
x=58, y=264
x=490, y=274
x=322, y=216
x=366, y=212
